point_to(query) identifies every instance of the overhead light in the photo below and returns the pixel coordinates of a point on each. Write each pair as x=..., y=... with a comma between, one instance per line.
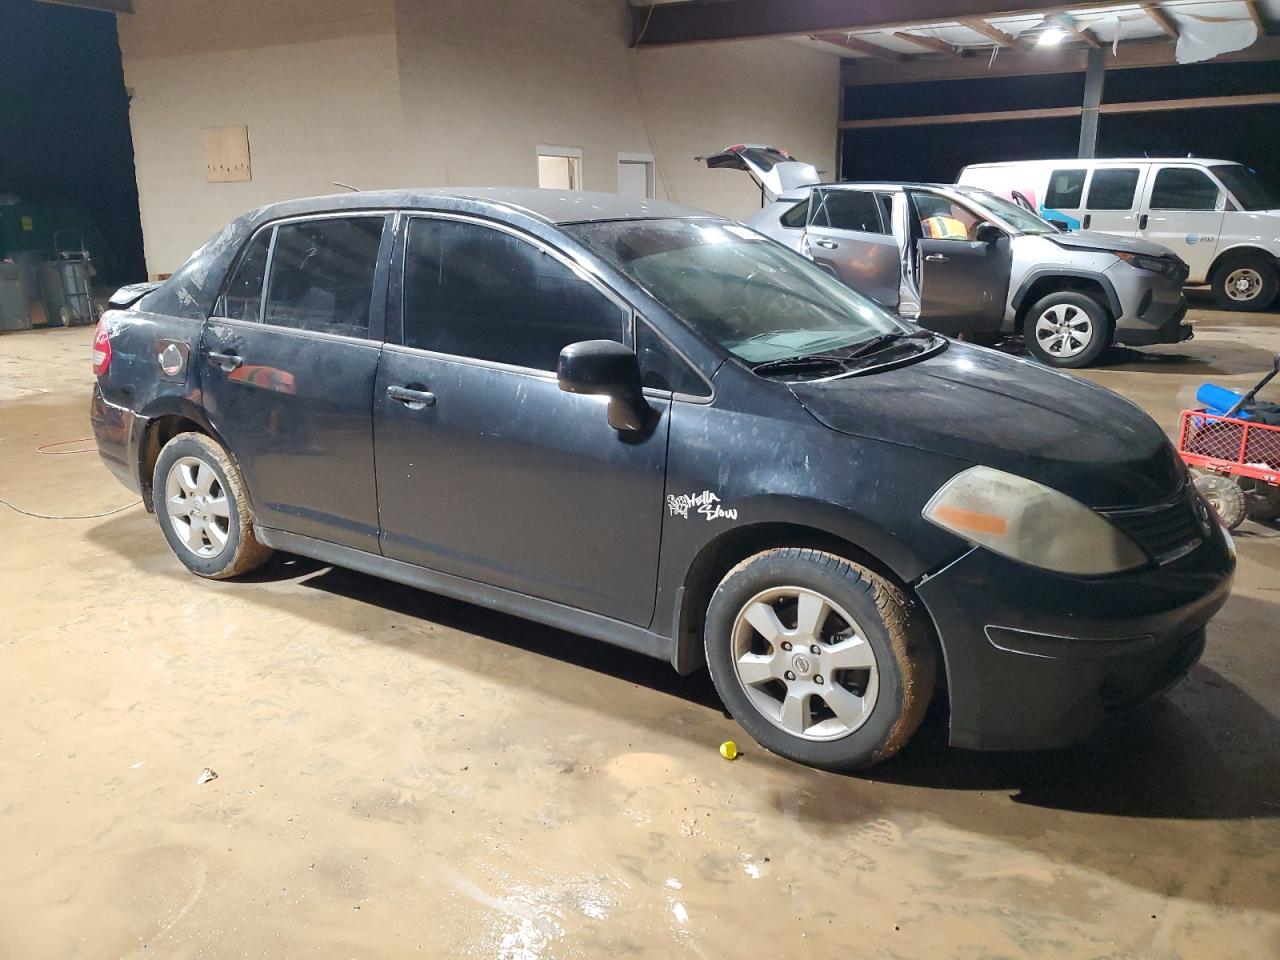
x=1051, y=36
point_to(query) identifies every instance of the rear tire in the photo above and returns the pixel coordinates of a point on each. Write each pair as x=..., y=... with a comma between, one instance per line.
x=1224, y=495
x=821, y=661
x=204, y=510
x=1245, y=281
x=1067, y=329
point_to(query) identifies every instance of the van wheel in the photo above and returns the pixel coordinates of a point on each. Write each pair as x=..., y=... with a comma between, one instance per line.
x=203, y=510
x=821, y=661
x=1246, y=281
x=1067, y=329
x=1225, y=496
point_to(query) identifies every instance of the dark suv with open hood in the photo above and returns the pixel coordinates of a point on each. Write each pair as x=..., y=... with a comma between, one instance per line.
x=653, y=427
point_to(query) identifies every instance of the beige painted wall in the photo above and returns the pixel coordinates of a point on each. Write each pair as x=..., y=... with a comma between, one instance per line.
x=414, y=93
x=315, y=81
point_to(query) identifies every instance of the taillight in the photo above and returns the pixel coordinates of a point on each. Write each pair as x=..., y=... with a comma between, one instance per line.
x=101, y=349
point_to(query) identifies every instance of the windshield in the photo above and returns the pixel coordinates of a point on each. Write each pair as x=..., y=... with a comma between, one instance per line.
x=754, y=297
x=1021, y=219
x=1249, y=189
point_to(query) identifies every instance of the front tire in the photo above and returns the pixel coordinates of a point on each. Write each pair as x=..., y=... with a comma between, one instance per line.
x=204, y=510
x=1067, y=329
x=1246, y=281
x=821, y=661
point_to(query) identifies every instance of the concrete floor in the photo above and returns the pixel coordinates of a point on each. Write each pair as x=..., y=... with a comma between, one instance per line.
x=400, y=773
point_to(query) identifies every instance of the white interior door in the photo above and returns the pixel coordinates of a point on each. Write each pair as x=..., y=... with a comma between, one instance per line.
x=635, y=178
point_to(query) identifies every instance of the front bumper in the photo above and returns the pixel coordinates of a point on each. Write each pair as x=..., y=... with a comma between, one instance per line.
x=1160, y=323
x=1036, y=660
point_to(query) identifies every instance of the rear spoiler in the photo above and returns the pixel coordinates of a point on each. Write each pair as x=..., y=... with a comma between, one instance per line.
x=774, y=170
x=130, y=294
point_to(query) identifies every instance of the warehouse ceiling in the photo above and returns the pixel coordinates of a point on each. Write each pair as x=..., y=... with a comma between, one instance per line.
x=898, y=30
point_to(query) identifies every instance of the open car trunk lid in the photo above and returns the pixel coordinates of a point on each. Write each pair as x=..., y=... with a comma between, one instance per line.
x=775, y=170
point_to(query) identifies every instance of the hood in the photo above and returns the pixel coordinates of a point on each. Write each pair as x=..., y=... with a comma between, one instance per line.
x=1093, y=240
x=774, y=170
x=986, y=408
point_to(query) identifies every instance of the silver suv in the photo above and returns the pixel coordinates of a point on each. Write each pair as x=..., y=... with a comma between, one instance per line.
x=961, y=260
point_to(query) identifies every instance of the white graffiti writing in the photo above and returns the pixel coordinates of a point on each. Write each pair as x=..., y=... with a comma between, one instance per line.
x=706, y=503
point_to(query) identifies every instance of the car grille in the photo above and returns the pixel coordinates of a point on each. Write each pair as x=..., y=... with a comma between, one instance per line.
x=1167, y=530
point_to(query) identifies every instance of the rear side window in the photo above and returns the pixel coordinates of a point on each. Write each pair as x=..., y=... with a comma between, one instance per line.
x=1066, y=190
x=243, y=297
x=855, y=210
x=1113, y=188
x=1183, y=188
x=322, y=274
x=796, y=216
x=664, y=369
x=473, y=291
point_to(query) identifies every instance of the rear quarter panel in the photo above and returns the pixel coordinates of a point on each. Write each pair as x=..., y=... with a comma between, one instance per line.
x=152, y=373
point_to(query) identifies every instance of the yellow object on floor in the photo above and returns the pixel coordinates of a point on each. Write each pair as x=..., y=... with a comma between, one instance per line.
x=729, y=750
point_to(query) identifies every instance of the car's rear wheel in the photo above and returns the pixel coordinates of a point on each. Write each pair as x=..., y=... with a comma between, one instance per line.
x=203, y=509
x=1067, y=329
x=1246, y=281
x=821, y=661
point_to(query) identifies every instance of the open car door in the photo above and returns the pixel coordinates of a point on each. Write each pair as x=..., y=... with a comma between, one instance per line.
x=774, y=170
x=961, y=266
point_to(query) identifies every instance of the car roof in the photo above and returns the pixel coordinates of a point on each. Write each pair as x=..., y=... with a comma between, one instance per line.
x=551, y=206
x=1078, y=161
x=192, y=289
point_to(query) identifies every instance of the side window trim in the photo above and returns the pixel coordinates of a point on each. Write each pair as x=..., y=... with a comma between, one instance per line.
x=652, y=328
x=397, y=286
x=377, y=332
x=220, y=302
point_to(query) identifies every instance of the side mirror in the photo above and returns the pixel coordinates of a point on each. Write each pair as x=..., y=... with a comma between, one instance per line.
x=988, y=233
x=608, y=368
x=1061, y=225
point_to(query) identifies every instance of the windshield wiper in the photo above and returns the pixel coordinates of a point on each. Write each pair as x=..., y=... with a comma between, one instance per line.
x=818, y=360
x=875, y=344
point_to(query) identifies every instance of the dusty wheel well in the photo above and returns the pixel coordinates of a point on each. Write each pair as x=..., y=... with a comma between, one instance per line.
x=1235, y=252
x=159, y=432
x=724, y=553
x=1050, y=284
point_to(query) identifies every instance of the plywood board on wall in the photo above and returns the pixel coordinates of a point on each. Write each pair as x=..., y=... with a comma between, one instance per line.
x=226, y=154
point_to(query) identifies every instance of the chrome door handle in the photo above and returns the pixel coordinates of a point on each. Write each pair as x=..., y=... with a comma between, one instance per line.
x=227, y=361
x=936, y=258
x=826, y=243
x=413, y=399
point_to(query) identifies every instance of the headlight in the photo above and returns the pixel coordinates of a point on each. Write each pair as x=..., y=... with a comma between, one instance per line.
x=1027, y=521
x=1166, y=265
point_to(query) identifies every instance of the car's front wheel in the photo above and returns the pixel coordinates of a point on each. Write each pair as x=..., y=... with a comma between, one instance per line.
x=821, y=661
x=1067, y=329
x=203, y=509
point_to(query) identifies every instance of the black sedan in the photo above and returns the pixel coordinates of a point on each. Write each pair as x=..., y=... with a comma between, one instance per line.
x=654, y=427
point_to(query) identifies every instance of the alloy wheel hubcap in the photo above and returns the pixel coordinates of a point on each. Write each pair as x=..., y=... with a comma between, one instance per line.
x=1243, y=284
x=804, y=663
x=197, y=507
x=1064, y=330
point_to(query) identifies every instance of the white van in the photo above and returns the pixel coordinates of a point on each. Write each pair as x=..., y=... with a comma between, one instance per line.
x=1218, y=216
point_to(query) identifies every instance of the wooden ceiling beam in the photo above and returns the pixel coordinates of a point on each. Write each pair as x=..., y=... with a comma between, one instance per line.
x=1256, y=16
x=858, y=45
x=994, y=34
x=931, y=43
x=1073, y=29
x=1160, y=18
